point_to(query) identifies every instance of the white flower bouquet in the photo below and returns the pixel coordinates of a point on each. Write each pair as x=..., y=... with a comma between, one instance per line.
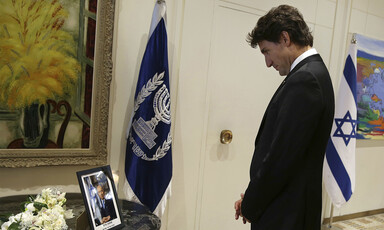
x=47, y=211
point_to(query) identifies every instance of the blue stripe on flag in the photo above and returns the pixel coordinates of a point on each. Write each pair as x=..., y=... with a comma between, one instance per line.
x=350, y=75
x=338, y=170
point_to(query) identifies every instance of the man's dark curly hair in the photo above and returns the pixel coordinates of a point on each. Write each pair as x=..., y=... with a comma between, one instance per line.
x=279, y=19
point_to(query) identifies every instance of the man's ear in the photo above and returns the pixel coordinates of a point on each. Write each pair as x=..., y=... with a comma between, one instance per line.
x=285, y=38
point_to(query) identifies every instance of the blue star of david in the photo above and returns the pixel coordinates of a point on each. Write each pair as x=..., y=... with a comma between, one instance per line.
x=339, y=131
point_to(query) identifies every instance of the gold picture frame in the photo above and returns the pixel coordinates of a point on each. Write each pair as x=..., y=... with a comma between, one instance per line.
x=96, y=153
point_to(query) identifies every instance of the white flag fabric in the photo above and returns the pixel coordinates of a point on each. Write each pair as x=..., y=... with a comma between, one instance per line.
x=148, y=161
x=339, y=163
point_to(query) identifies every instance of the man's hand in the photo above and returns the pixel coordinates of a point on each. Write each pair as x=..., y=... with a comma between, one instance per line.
x=105, y=219
x=238, y=209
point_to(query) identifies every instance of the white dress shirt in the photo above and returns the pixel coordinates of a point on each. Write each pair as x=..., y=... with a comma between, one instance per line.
x=304, y=55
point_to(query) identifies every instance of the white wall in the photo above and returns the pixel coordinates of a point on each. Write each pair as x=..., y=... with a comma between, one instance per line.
x=189, y=34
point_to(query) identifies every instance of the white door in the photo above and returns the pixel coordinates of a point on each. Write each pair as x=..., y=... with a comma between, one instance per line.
x=240, y=87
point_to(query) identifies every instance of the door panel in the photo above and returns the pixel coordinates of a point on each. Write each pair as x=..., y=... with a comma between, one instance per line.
x=240, y=87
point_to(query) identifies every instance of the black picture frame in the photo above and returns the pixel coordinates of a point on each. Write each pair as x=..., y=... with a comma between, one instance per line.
x=92, y=182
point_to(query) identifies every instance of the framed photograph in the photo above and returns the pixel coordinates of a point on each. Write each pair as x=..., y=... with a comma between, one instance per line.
x=100, y=198
x=55, y=75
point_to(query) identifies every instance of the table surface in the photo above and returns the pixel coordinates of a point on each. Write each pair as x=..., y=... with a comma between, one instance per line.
x=136, y=216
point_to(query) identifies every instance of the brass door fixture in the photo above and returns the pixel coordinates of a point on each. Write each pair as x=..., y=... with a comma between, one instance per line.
x=226, y=136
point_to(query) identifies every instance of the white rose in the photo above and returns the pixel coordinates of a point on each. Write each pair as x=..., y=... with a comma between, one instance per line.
x=26, y=219
x=46, y=192
x=62, y=201
x=16, y=218
x=38, y=222
x=68, y=214
x=30, y=207
x=45, y=217
x=57, y=210
x=48, y=227
x=39, y=199
x=51, y=202
x=61, y=196
x=59, y=223
x=6, y=225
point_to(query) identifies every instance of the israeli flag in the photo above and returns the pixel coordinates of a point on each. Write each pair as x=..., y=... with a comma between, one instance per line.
x=148, y=162
x=339, y=163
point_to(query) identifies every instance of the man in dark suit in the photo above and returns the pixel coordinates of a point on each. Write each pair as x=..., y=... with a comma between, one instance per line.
x=285, y=188
x=107, y=209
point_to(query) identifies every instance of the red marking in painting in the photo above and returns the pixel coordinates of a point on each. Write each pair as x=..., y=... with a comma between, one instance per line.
x=379, y=123
x=375, y=98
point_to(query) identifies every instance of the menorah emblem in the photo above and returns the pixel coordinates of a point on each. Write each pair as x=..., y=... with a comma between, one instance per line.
x=161, y=106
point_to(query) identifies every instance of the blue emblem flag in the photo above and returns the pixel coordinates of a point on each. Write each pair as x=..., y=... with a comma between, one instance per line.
x=339, y=163
x=148, y=162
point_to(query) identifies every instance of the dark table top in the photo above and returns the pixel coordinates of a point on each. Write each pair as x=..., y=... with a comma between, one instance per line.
x=136, y=216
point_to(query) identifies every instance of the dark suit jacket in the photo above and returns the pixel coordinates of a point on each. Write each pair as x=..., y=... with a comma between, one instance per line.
x=285, y=189
x=109, y=209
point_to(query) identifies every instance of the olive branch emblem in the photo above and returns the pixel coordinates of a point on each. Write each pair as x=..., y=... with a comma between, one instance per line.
x=147, y=89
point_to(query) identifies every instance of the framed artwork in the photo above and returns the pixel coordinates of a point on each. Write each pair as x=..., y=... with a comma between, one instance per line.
x=55, y=75
x=100, y=198
x=370, y=88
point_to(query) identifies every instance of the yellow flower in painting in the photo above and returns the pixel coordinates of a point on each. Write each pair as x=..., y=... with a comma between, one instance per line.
x=37, y=57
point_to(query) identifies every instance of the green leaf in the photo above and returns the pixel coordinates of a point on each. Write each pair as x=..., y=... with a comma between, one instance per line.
x=39, y=205
x=5, y=217
x=30, y=199
x=14, y=226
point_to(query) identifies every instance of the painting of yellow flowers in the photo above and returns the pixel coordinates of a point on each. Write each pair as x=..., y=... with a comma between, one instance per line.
x=37, y=56
x=47, y=85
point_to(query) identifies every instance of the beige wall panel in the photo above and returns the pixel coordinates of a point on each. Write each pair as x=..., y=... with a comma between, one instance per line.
x=375, y=7
x=322, y=42
x=307, y=7
x=369, y=189
x=358, y=21
x=374, y=26
x=325, y=14
x=362, y=5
